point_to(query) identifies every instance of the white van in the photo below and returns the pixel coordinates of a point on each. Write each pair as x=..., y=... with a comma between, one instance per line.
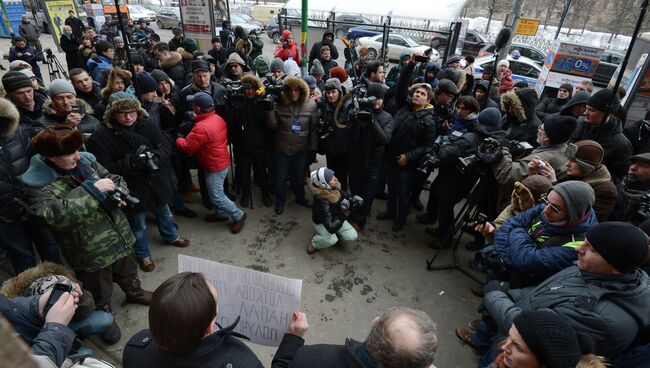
x=263, y=13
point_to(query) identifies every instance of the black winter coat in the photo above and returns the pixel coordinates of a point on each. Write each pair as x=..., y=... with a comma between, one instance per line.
x=31, y=117
x=93, y=98
x=550, y=106
x=526, y=130
x=368, y=140
x=248, y=130
x=115, y=147
x=71, y=48
x=414, y=132
x=323, y=356
x=617, y=147
x=314, y=53
x=216, y=90
x=638, y=133
x=338, y=141
x=327, y=208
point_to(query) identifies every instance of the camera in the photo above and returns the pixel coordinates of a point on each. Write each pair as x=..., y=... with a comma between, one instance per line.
x=349, y=203
x=273, y=91
x=121, y=194
x=48, y=52
x=518, y=149
x=148, y=157
x=421, y=59
x=431, y=160
x=358, y=107
x=443, y=112
x=643, y=210
x=234, y=93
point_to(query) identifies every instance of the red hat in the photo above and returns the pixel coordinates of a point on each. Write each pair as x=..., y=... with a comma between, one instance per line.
x=339, y=73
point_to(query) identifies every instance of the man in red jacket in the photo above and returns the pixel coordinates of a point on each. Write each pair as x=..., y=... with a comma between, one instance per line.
x=208, y=140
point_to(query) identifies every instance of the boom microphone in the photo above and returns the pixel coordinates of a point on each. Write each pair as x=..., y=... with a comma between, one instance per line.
x=502, y=38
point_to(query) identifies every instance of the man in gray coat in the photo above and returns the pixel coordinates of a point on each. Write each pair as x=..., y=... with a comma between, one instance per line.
x=30, y=33
x=606, y=297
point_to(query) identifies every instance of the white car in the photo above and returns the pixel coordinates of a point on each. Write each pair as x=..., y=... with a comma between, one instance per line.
x=523, y=68
x=138, y=11
x=397, y=44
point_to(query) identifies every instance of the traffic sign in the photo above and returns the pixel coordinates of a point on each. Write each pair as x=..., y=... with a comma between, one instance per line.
x=527, y=27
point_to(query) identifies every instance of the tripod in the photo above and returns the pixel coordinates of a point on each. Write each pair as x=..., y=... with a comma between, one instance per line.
x=54, y=67
x=482, y=190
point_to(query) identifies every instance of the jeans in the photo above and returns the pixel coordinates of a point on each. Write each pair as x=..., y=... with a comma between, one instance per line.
x=364, y=182
x=400, y=186
x=324, y=239
x=166, y=229
x=223, y=206
x=291, y=167
x=19, y=238
x=97, y=322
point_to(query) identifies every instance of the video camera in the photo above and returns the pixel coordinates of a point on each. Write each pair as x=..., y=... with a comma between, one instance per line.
x=431, y=160
x=273, y=89
x=234, y=93
x=356, y=106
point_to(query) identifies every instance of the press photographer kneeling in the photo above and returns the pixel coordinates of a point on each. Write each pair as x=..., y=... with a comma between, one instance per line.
x=330, y=210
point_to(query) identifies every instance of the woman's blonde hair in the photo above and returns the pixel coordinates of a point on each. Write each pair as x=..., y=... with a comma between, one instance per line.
x=591, y=361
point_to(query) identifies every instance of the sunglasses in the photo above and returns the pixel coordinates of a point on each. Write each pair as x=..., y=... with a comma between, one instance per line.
x=553, y=207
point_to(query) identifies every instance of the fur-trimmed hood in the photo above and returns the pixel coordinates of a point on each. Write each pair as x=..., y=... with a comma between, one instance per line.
x=330, y=195
x=126, y=104
x=9, y=118
x=291, y=82
x=185, y=54
x=172, y=61
x=84, y=108
x=110, y=85
x=254, y=80
x=20, y=284
x=522, y=103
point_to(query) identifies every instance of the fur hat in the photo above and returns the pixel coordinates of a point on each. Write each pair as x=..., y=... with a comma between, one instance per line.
x=122, y=101
x=321, y=177
x=57, y=140
x=9, y=118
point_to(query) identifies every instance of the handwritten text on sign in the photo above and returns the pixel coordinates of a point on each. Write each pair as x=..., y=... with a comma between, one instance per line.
x=265, y=302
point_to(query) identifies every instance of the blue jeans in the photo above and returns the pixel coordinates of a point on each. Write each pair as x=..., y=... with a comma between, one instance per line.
x=363, y=182
x=166, y=229
x=19, y=238
x=292, y=167
x=400, y=183
x=97, y=322
x=223, y=206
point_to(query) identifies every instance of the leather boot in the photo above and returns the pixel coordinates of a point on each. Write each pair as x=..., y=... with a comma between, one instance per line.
x=245, y=199
x=266, y=198
x=112, y=333
x=135, y=294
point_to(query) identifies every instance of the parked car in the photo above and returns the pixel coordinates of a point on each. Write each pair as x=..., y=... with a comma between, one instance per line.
x=293, y=20
x=169, y=17
x=341, y=29
x=523, y=68
x=471, y=44
x=237, y=20
x=609, y=61
x=250, y=20
x=138, y=11
x=529, y=51
x=397, y=43
x=364, y=31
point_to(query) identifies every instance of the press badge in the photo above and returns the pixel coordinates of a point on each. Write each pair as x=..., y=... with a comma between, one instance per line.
x=296, y=127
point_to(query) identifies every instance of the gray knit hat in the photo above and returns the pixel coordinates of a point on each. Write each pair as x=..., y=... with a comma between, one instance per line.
x=333, y=83
x=578, y=198
x=277, y=63
x=317, y=69
x=58, y=86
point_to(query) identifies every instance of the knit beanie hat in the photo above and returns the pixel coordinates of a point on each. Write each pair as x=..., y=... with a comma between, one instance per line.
x=19, y=64
x=57, y=140
x=376, y=90
x=333, y=83
x=520, y=84
x=146, y=83
x=548, y=335
x=626, y=256
x=189, y=45
x=161, y=76
x=321, y=177
x=504, y=62
x=28, y=72
x=137, y=59
x=14, y=80
x=117, y=40
x=261, y=65
x=559, y=128
x=59, y=86
x=176, y=31
x=588, y=154
x=600, y=100
x=317, y=69
x=568, y=87
x=490, y=117
x=339, y=73
x=310, y=80
x=578, y=198
x=277, y=63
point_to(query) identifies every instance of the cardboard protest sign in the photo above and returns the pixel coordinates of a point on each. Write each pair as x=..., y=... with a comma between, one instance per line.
x=264, y=302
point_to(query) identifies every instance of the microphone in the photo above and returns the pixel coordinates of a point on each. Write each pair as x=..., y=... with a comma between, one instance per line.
x=502, y=38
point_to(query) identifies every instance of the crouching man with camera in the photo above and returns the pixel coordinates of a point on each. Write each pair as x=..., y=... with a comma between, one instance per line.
x=330, y=210
x=129, y=145
x=71, y=192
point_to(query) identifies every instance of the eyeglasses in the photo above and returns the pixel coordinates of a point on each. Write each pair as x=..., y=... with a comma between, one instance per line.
x=553, y=207
x=127, y=113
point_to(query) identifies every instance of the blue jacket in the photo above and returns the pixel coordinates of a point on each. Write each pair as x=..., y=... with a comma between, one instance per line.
x=97, y=64
x=526, y=242
x=32, y=59
x=393, y=74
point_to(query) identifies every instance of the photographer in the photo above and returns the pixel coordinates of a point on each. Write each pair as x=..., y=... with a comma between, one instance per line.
x=66, y=109
x=73, y=194
x=552, y=137
x=129, y=145
x=334, y=141
x=103, y=60
x=413, y=136
x=287, y=49
x=633, y=202
x=367, y=153
x=21, y=51
x=251, y=137
x=330, y=210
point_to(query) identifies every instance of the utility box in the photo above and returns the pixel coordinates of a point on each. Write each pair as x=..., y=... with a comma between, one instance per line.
x=567, y=63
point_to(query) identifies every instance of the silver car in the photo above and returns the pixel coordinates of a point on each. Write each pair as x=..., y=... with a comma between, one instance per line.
x=168, y=18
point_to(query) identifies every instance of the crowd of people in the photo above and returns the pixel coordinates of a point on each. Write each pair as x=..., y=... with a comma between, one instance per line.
x=563, y=191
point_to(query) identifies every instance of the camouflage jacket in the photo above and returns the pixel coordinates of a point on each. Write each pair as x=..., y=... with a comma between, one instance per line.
x=91, y=233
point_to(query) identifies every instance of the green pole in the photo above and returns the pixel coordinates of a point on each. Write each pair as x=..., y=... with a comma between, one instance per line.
x=303, y=38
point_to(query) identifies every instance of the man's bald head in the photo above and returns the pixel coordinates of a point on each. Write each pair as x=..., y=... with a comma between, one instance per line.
x=403, y=337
